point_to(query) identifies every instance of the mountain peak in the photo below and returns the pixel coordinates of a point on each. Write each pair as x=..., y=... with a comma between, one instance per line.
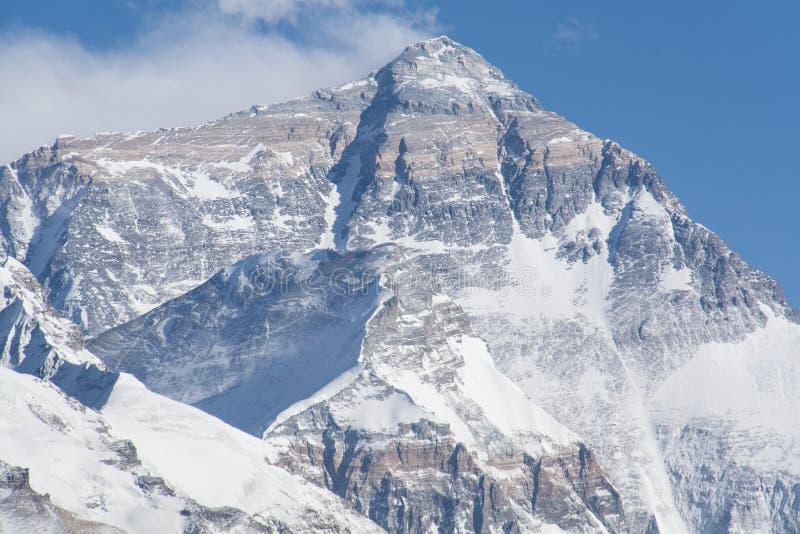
x=445, y=51
x=442, y=69
x=437, y=44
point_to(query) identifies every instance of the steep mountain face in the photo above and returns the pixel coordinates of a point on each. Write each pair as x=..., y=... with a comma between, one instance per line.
x=89, y=450
x=444, y=304
x=119, y=223
x=397, y=398
x=245, y=345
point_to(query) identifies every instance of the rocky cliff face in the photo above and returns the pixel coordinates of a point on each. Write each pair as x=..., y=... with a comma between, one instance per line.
x=439, y=301
x=405, y=483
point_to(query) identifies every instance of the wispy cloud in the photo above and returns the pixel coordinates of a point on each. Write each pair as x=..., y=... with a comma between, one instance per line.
x=188, y=68
x=573, y=32
x=272, y=11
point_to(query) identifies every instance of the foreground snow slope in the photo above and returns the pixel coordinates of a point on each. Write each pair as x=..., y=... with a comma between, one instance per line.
x=223, y=467
x=146, y=463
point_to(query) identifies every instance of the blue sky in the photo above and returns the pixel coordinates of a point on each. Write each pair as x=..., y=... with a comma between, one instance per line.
x=706, y=91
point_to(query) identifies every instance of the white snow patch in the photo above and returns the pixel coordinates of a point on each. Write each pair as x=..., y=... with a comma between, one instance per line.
x=329, y=390
x=594, y=217
x=501, y=400
x=352, y=85
x=207, y=189
x=381, y=231
x=285, y=157
x=385, y=414
x=559, y=140
x=109, y=233
x=754, y=383
x=281, y=221
x=241, y=165
x=427, y=397
x=676, y=279
x=463, y=84
x=122, y=167
x=234, y=222
x=645, y=203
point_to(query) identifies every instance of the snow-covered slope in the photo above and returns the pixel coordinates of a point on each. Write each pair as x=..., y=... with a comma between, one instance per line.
x=463, y=312
x=141, y=463
x=729, y=424
x=146, y=463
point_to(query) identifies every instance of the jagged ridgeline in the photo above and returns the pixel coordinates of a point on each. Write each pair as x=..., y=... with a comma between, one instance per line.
x=419, y=301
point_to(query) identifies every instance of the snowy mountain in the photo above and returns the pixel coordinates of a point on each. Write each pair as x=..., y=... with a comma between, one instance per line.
x=88, y=450
x=402, y=372
x=417, y=301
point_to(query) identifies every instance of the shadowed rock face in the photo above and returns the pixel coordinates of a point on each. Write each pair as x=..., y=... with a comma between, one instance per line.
x=236, y=343
x=490, y=245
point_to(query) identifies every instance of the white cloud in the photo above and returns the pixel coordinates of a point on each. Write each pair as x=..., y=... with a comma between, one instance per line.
x=277, y=10
x=572, y=31
x=185, y=70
